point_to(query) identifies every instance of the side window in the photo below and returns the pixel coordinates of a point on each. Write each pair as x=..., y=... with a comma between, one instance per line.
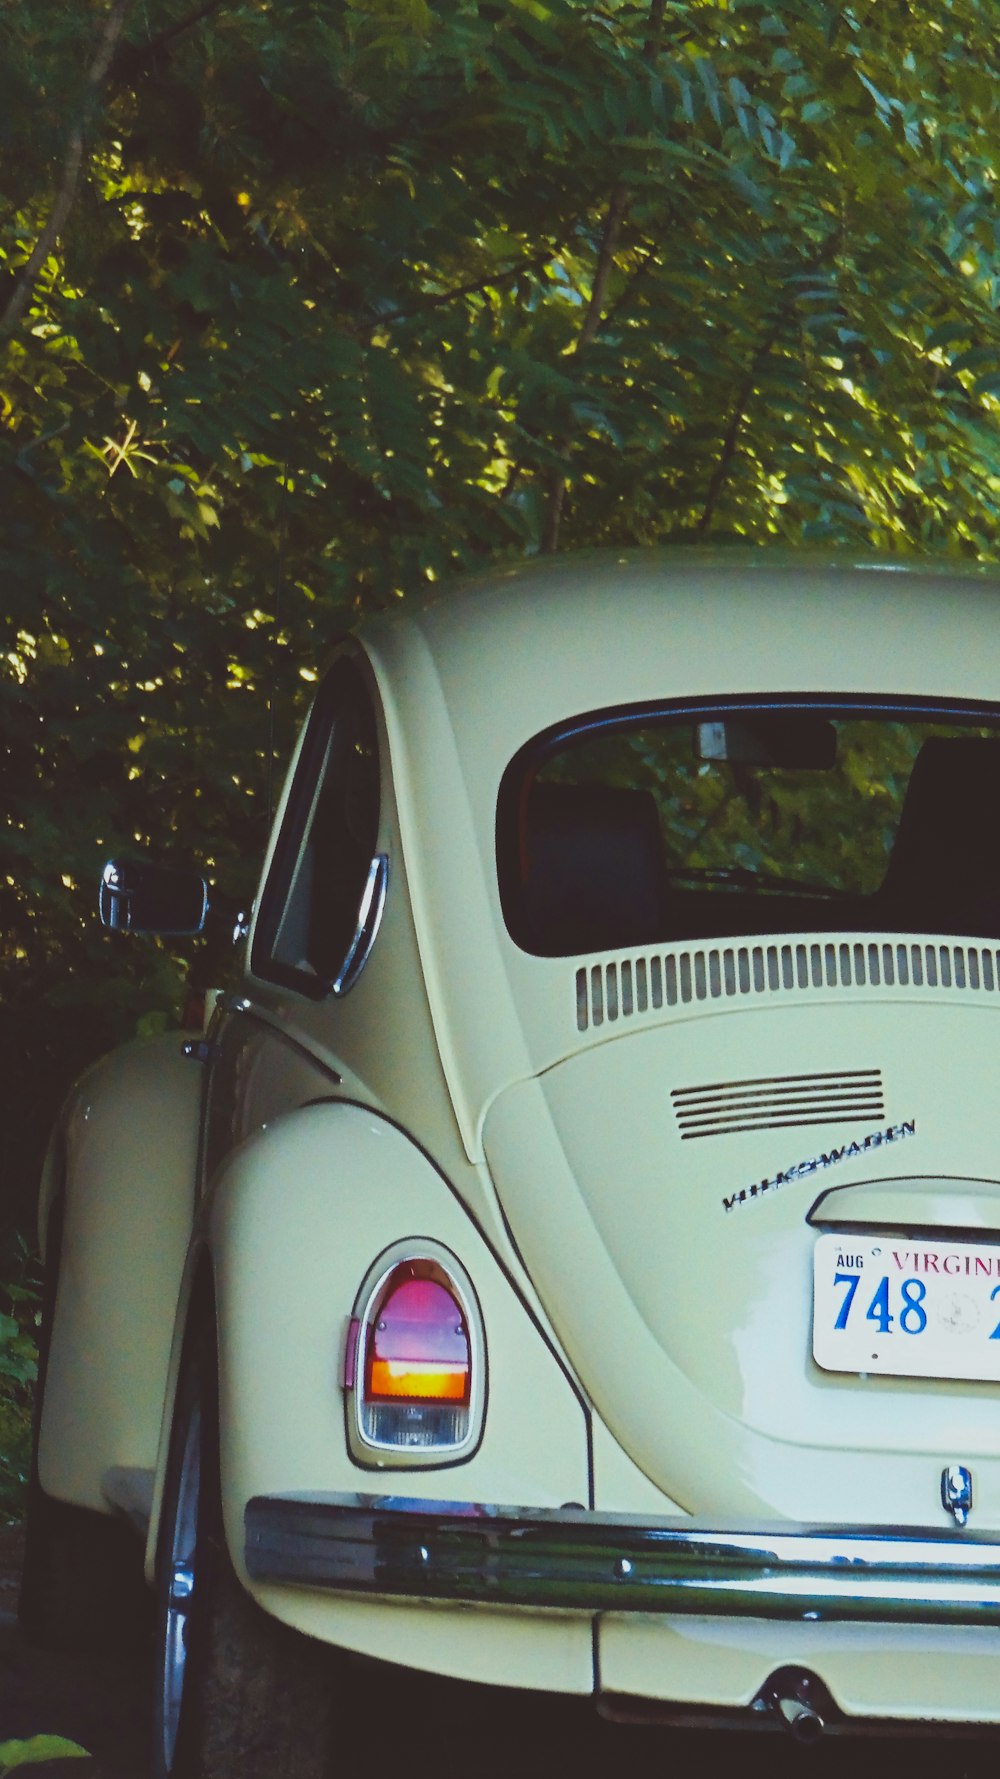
x=323, y=898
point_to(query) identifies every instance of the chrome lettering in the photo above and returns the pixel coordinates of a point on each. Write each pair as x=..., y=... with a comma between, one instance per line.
x=893, y=1133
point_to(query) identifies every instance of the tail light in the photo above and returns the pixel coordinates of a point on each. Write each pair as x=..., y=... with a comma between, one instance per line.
x=414, y=1364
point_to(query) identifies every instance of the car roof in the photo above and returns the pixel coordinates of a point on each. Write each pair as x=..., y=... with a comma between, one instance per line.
x=524, y=647
x=468, y=674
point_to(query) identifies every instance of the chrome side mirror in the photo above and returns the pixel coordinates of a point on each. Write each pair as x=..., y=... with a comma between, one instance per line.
x=139, y=897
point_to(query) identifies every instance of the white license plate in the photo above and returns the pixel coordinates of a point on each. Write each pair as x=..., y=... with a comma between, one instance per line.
x=907, y=1307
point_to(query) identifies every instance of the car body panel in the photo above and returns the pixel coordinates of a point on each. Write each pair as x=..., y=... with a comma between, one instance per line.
x=328, y=1161
x=723, y=1287
x=128, y=1140
x=911, y=1674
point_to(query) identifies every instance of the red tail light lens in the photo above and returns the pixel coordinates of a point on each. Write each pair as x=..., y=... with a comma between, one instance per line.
x=418, y=1348
x=415, y=1361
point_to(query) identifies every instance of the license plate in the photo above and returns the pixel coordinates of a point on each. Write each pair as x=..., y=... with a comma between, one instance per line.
x=906, y=1307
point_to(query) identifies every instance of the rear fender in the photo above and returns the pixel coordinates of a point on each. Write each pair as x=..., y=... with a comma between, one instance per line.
x=295, y=1221
x=122, y=1169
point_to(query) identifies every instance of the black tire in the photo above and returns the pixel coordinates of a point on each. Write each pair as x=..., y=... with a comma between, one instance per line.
x=236, y=1695
x=82, y=1585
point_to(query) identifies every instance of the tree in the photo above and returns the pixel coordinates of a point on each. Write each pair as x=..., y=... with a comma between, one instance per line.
x=303, y=306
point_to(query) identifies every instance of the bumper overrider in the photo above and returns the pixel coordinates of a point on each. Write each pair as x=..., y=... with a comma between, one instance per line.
x=573, y=1560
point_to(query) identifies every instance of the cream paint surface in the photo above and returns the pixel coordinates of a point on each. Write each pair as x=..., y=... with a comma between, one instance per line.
x=131, y=1145
x=662, y=1295
x=912, y=1673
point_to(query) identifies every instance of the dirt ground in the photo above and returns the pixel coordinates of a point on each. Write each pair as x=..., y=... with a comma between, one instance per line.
x=100, y=1703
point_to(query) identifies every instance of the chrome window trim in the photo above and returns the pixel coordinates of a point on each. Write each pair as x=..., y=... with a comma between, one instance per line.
x=370, y=911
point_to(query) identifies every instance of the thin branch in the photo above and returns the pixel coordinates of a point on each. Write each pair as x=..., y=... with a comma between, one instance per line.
x=744, y=394
x=656, y=12
x=614, y=217
x=44, y=438
x=134, y=54
x=629, y=287
x=720, y=474
x=536, y=263
x=554, y=509
x=513, y=477
x=616, y=214
x=96, y=76
x=617, y=211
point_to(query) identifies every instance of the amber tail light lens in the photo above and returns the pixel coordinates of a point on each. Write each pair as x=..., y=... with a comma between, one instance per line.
x=416, y=1378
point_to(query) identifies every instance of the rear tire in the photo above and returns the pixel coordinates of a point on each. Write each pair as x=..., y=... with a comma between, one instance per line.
x=236, y=1694
x=82, y=1585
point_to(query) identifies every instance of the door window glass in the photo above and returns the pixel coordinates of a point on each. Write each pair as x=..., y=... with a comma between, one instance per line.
x=325, y=887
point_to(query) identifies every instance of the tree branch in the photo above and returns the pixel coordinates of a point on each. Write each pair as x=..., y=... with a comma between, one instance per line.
x=96, y=76
x=135, y=54
x=628, y=289
x=781, y=312
x=616, y=214
x=617, y=211
x=536, y=263
x=614, y=217
x=720, y=474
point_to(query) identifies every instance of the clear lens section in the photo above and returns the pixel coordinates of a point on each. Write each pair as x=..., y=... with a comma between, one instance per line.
x=413, y=1425
x=417, y=1369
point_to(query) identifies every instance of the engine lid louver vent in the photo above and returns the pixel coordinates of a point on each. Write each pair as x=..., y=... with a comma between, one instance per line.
x=776, y=1102
x=655, y=981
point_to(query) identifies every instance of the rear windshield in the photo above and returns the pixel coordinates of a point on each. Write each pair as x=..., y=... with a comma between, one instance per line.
x=637, y=828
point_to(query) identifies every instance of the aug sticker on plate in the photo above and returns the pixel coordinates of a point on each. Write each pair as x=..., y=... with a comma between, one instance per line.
x=907, y=1307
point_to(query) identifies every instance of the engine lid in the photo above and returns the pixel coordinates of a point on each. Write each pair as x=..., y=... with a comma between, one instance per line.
x=660, y=1188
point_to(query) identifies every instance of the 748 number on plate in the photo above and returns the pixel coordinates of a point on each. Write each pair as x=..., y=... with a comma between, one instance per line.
x=911, y=1317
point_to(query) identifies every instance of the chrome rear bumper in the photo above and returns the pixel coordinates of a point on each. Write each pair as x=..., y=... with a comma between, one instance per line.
x=569, y=1559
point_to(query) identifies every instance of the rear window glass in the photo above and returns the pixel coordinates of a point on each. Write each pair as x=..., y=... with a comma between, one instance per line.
x=630, y=830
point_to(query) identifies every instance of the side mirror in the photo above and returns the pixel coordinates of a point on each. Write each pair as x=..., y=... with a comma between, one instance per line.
x=139, y=897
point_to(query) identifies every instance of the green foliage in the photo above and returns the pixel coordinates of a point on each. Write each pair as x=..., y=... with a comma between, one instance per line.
x=19, y=1297
x=303, y=306
x=17, y=1754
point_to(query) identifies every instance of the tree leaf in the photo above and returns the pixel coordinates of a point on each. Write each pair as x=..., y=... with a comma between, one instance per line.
x=15, y=1754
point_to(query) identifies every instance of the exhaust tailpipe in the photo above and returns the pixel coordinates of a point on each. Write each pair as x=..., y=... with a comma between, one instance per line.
x=796, y=1699
x=802, y=1720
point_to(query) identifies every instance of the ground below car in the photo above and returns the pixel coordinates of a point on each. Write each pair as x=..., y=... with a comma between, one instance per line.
x=102, y=1702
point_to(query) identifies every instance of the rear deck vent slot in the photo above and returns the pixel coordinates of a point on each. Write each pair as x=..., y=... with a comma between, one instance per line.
x=623, y=989
x=777, y=1102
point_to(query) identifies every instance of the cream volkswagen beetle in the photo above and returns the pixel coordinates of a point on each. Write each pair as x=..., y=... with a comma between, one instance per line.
x=571, y=1260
